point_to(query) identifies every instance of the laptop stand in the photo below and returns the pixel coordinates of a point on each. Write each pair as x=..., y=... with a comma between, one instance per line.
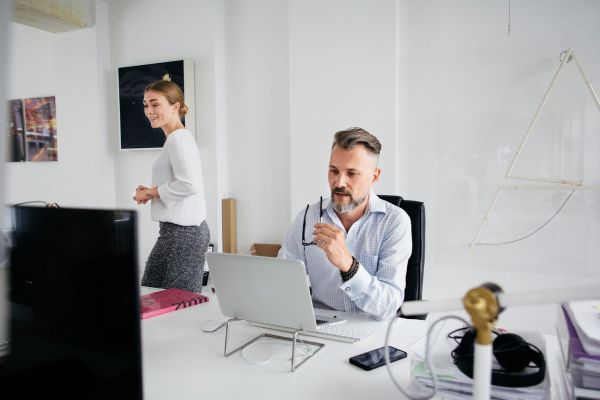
x=293, y=339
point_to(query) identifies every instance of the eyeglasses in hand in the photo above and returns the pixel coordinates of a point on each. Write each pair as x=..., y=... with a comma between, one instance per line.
x=305, y=243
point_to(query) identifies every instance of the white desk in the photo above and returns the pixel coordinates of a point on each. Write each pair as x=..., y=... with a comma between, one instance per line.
x=182, y=362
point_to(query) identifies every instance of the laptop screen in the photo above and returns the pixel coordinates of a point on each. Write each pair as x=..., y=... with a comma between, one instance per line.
x=74, y=305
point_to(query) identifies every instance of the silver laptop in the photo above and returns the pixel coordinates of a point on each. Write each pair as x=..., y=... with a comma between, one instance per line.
x=272, y=293
x=266, y=290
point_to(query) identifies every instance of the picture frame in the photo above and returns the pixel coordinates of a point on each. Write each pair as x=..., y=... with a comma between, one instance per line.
x=135, y=132
x=41, y=134
x=32, y=130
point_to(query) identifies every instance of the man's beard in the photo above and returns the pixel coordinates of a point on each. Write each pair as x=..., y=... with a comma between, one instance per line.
x=351, y=206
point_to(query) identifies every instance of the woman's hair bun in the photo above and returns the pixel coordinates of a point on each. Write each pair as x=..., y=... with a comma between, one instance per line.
x=183, y=110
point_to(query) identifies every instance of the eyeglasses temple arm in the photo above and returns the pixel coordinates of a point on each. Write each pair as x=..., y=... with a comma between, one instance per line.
x=321, y=210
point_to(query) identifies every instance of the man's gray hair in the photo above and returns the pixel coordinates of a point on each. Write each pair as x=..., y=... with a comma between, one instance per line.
x=350, y=137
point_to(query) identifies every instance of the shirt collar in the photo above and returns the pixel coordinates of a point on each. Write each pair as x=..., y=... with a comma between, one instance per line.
x=376, y=204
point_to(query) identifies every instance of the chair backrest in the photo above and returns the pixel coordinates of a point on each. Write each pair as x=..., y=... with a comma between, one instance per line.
x=416, y=262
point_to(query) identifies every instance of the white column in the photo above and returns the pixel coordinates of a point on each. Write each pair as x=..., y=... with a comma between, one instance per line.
x=482, y=372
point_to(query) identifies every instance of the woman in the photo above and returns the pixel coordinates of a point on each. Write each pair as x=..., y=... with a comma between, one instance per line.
x=176, y=195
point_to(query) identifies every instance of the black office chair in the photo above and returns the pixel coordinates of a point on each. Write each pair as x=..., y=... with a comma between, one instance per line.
x=416, y=262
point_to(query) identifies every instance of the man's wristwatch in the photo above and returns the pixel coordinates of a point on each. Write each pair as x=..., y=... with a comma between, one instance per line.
x=346, y=276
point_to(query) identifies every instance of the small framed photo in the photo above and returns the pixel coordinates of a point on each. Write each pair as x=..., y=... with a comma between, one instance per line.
x=135, y=130
x=41, y=142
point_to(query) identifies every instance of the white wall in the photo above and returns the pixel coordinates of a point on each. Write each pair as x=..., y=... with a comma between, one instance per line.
x=148, y=31
x=258, y=127
x=467, y=95
x=467, y=92
x=443, y=86
x=297, y=72
x=342, y=74
x=262, y=120
x=65, y=66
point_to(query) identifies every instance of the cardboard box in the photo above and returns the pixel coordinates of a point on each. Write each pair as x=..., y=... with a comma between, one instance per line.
x=264, y=249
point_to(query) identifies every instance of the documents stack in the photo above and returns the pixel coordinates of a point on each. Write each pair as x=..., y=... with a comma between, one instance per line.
x=578, y=330
x=454, y=384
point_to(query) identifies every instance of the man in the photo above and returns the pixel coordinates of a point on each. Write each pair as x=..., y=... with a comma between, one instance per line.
x=357, y=260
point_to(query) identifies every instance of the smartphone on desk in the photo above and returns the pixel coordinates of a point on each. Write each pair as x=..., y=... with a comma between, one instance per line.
x=376, y=358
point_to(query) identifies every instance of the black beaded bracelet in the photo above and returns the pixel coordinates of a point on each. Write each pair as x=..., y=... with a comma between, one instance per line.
x=346, y=276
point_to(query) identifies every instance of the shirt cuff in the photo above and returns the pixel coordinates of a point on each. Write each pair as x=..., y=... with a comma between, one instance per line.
x=164, y=195
x=357, y=284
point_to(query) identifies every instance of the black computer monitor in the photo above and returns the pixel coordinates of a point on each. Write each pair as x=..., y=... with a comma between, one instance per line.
x=74, y=305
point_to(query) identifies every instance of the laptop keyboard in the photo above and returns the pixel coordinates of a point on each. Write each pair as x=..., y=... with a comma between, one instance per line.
x=343, y=332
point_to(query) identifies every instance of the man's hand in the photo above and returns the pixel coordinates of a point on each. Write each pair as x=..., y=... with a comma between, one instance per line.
x=331, y=239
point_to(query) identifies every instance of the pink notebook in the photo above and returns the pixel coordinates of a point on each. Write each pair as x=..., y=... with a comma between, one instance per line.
x=168, y=300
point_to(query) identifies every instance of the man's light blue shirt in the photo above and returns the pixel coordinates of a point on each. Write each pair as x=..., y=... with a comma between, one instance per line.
x=380, y=240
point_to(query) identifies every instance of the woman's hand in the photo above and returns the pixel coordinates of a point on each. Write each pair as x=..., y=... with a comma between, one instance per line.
x=143, y=194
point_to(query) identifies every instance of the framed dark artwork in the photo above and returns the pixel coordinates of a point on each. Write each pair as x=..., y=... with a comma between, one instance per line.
x=135, y=130
x=16, y=132
x=39, y=116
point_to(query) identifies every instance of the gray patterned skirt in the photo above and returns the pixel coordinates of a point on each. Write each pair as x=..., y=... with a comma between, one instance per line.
x=177, y=258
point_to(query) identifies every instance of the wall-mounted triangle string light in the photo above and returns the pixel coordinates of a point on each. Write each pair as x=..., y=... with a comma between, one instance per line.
x=538, y=182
